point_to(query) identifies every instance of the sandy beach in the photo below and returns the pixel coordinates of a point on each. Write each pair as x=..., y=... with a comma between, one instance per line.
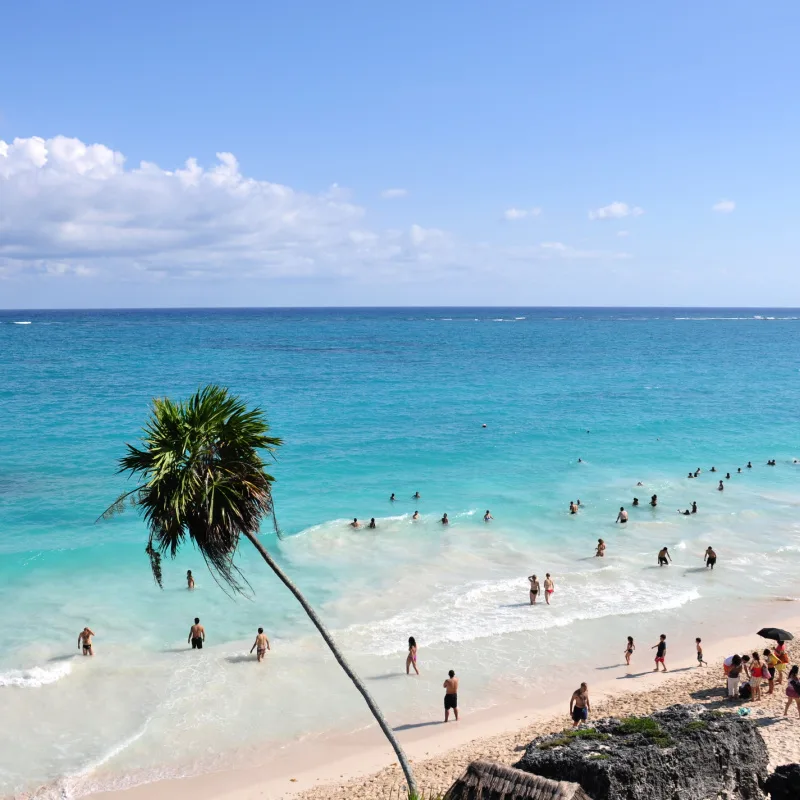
x=362, y=765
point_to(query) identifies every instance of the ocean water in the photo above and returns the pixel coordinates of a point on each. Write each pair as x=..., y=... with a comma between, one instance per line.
x=371, y=402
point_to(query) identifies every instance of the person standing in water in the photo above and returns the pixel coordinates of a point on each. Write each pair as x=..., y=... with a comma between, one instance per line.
x=444, y=520
x=601, y=549
x=392, y=498
x=721, y=487
x=260, y=645
x=710, y=558
x=573, y=509
x=579, y=706
x=629, y=648
x=415, y=516
x=189, y=580
x=549, y=587
x=699, y=647
x=534, y=581
x=694, y=507
x=450, y=696
x=416, y=496
x=85, y=641
x=487, y=517
x=664, y=557
x=622, y=517
x=355, y=523
x=654, y=500
x=411, y=658
x=197, y=635
x=661, y=652
x=372, y=523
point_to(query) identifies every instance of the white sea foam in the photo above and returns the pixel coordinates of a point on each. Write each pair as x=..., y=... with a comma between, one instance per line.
x=35, y=677
x=22, y=322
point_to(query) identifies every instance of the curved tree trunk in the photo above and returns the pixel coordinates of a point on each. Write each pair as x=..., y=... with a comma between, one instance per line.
x=320, y=626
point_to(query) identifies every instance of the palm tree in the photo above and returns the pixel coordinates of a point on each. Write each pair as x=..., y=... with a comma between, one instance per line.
x=200, y=475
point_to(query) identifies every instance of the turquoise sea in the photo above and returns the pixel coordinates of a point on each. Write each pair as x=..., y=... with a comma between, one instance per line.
x=371, y=402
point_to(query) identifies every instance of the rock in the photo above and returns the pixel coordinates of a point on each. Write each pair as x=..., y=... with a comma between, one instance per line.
x=680, y=753
x=784, y=783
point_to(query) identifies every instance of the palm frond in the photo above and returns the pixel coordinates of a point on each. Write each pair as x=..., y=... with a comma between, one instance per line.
x=118, y=506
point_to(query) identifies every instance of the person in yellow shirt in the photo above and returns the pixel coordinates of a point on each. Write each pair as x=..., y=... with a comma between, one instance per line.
x=772, y=661
x=783, y=660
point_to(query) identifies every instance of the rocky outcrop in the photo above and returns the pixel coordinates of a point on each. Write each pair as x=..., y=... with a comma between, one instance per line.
x=680, y=753
x=784, y=783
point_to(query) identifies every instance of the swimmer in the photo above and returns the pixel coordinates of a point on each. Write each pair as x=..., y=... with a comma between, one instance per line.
x=721, y=487
x=85, y=641
x=640, y=484
x=484, y=425
x=534, y=591
x=578, y=503
x=580, y=461
x=697, y=472
x=189, y=580
x=664, y=557
x=392, y=498
x=444, y=520
x=728, y=476
x=694, y=507
x=622, y=517
x=415, y=516
x=749, y=465
x=690, y=475
x=601, y=549
x=636, y=501
x=197, y=635
x=372, y=523
x=355, y=523
x=411, y=658
x=260, y=645
x=573, y=509
x=654, y=500
x=549, y=587
x=710, y=558
x=713, y=469
x=487, y=517
x=685, y=513
x=738, y=471
x=416, y=496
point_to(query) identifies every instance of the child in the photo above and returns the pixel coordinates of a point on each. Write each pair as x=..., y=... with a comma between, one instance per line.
x=629, y=648
x=756, y=676
x=699, y=646
x=661, y=652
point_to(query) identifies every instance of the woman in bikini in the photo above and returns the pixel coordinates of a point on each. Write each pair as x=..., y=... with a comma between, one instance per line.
x=534, y=588
x=549, y=587
x=629, y=648
x=189, y=580
x=411, y=658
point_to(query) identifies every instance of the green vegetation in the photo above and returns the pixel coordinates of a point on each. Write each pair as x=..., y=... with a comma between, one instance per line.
x=646, y=727
x=599, y=757
x=697, y=725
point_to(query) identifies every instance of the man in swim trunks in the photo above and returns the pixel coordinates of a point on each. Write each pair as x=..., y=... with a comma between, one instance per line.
x=661, y=652
x=261, y=645
x=579, y=706
x=711, y=558
x=534, y=588
x=450, y=696
x=197, y=635
x=549, y=587
x=85, y=641
x=622, y=516
x=664, y=557
x=355, y=523
x=444, y=520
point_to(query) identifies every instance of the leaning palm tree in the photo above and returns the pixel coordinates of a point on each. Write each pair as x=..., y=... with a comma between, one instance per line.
x=201, y=476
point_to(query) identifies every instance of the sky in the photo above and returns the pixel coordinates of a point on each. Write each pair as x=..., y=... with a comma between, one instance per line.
x=520, y=152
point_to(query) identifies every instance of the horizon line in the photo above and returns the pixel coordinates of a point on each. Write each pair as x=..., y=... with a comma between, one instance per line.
x=399, y=308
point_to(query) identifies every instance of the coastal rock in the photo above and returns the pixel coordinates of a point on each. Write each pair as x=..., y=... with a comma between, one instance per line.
x=680, y=753
x=784, y=783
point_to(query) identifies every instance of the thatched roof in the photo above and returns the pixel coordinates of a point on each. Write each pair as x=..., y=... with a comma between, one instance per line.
x=486, y=781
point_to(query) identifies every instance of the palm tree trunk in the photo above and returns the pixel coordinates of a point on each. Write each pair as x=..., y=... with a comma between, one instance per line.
x=337, y=654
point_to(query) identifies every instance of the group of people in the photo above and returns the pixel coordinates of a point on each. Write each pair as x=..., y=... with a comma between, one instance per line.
x=747, y=675
x=549, y=588
x=450, y=684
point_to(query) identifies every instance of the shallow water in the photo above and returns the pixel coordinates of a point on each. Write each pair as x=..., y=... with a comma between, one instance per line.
x=369, y=403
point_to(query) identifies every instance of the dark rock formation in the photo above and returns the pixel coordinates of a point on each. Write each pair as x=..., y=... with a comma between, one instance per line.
x=680, y=753
x=784, y=783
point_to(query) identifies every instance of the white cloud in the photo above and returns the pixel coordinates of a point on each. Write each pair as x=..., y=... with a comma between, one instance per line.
x=388, y=194
x=724, y=206
x=623, y=233
x=616, y=210
x=559, y=250
x=514, y=214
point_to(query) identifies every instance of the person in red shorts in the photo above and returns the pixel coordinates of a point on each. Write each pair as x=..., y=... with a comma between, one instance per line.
x=661, y=652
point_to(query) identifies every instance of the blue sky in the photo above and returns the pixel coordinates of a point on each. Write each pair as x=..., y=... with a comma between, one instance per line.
x=541, y=153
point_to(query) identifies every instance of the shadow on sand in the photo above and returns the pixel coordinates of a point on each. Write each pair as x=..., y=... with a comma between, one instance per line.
x=613, y=666
x=412, y=725
x=388, y=677
x=241, y=659
x=651, y=671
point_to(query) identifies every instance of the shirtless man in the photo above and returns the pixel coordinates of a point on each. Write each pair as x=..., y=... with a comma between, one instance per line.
x=197, y=635
x=355, y=523
x=260, y=645
x=654, y=500
x=622, y=516
x=549, y=586
x=85, y=641
x=664, y=557
x=534, y=588
x=450, y=696
x=444, y=520
x=579, y=706
x=415, y=516
x=710, y=558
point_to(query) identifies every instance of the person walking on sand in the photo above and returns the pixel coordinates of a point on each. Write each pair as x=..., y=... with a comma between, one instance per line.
x=699, y=646
x=411, y=658
x=710, y=557
x=534, y=581
x=792, y=690
x=197, y=635
x=189, y=580
x=85, y=641
x=629, y=648
x=661, y=652
x=601, y=549
x=622, y=517
x=579, y=705
x=549, y=587
x=450, y=696
x=260, y=645
x=664, y=557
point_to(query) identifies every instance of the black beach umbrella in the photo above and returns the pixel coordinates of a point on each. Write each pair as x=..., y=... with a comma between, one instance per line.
x=776, y=633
